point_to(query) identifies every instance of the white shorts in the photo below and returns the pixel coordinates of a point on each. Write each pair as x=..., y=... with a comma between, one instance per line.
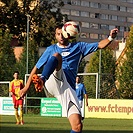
x=58, y=86
x=81, y=103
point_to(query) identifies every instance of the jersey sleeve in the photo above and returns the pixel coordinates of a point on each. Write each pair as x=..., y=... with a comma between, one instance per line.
x=21, y=81
x=87, y=48
x=43, y=59
x=21, y=84
x=84, y=89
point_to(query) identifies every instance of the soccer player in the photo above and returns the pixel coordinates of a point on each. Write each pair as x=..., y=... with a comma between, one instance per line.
x=60, y=62
x=15, y=86
x=81, y=93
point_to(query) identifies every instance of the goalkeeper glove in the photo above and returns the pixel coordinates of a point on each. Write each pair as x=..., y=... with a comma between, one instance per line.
x=38, y=82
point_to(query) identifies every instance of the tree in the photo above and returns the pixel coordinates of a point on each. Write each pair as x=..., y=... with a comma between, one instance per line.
x=82, y=65
x=12, y=17
x=33, y=57
x=107, y=74
x=7, y=63
x=44, y=16
x=125, y=70
x=46, y=19
x=7, y=58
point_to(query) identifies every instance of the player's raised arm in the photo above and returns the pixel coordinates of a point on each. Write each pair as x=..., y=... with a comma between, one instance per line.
x=24, y=90
x=106, y=42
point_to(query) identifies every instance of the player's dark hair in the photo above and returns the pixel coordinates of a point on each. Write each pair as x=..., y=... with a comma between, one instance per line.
x=59, y=26
x=16, y=72
x=80, y=78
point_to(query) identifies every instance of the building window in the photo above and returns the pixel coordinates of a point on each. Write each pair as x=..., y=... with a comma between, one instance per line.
x=97, y=15
x=84, y=14
x=122, y=28
x=84, y=35
x=123, y=0
x=104, y=27
x=67, y=2
x=93, y=4
x=85, y=24
x=64, y=11
x=104, y=6
x=93, y=36
x=130, y=10
x=113, y=7
x=74, y=13
x=104, y=16
x=111, y=27
x=118, y=8
x=129, y=19
x=130, y=1
x=122, y=8
x=112, y=17
x=126, y=28
x=75, y=2
x=85, y=3
x=92, y=15
x=118, y=27
x=93, y=26
x=122, y=19
x=103, y=36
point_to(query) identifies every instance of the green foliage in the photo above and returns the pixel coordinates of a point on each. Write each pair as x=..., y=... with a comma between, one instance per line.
x=7, y=58
x=82, y=66
x=4, y=90
x=107, y=62
x=125, y=71
x=106, y=75
x=12, y=17
x=43, y=18
x=46, y=20
x=32, y=59
x=42, y=21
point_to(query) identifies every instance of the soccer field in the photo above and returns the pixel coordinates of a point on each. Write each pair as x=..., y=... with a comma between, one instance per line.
x=38, y=124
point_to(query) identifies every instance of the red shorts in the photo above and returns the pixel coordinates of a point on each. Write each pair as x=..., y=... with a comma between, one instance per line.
x=17, y=102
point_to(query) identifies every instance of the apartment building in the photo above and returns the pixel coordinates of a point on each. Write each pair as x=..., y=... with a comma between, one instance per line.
x=97, y=18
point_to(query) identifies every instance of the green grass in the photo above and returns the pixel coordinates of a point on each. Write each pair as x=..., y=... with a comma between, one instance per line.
x=38, y=124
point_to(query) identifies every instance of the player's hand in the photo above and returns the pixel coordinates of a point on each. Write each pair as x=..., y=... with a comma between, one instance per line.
x=113, y=33
x=13, y=93
x=38, y=82
x=22, y=92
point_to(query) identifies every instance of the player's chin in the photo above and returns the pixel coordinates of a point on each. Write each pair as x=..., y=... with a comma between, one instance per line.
x=61, y=41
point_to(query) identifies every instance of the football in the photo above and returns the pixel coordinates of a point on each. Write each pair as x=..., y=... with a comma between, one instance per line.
x=70, y=30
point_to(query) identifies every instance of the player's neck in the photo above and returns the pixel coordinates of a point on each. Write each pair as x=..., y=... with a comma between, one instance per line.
x=63, y=45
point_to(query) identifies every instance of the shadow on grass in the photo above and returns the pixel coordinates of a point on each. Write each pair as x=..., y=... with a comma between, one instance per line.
x=22, y=130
